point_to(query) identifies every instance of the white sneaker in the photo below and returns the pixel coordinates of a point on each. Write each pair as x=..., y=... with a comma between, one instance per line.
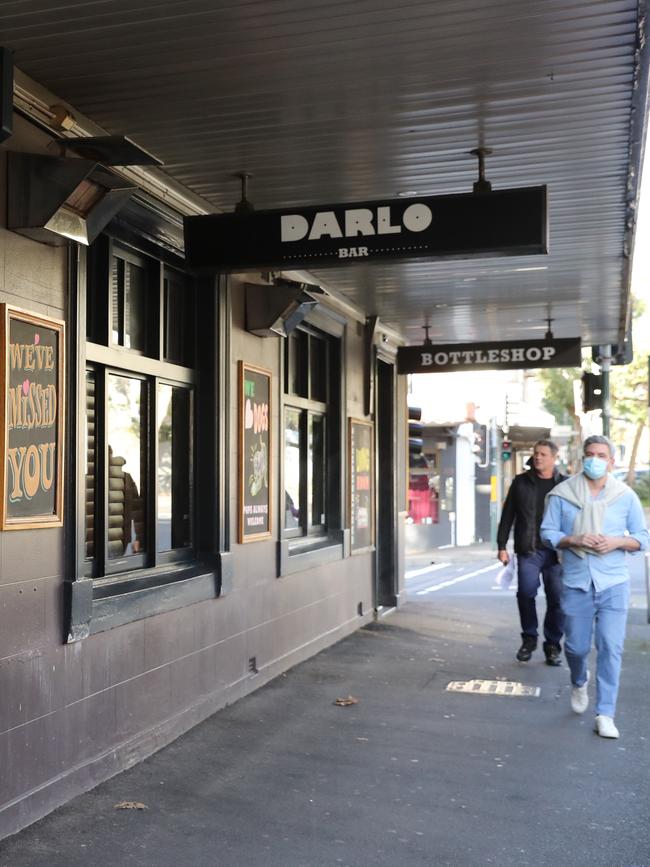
x=579, y=697
x=605, y=727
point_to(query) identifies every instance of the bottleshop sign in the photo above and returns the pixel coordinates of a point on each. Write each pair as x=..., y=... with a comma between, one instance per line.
x=32, y=433
x=502, y=222
x=511, y=355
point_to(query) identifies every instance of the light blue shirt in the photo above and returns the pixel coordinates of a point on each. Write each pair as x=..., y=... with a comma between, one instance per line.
x=601, y=570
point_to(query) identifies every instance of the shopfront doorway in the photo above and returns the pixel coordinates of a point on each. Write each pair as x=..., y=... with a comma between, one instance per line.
x=386, y=545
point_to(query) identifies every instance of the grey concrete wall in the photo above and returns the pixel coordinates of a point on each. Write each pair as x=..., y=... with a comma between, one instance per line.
x=35, y=677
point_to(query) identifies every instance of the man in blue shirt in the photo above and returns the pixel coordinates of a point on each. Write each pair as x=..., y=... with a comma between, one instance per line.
x=593, y=519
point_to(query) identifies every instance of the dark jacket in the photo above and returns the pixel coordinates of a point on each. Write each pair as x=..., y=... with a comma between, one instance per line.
x=520, y=508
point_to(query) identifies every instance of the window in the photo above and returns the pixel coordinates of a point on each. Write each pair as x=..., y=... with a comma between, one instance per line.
x=179, y=320
x=174, y=528
x=128, y=296
x=139, y=431
x=311, y=419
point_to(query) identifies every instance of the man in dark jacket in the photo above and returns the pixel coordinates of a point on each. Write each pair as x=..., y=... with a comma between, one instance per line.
x=524, y=506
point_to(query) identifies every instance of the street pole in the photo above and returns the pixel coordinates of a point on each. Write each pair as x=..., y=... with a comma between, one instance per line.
x=494, y=503
x=605, y=364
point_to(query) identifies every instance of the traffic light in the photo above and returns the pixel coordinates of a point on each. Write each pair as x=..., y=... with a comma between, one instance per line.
x=481, y=444
x=592, y=391
x=416, y=441
x=506, y=449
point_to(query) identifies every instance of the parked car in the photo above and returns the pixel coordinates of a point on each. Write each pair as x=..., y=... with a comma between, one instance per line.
x=640, y=474
x=641, y=482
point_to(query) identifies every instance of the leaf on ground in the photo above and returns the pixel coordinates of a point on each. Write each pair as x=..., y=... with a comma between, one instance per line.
x=130, y=805
x=346, y=702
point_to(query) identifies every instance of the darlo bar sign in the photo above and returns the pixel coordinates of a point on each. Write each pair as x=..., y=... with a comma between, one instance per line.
x=512, y=355
x=502, y=222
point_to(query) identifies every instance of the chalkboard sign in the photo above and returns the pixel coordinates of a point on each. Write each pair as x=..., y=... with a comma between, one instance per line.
x=31, y=425
x=362, y=484
x=254, y=453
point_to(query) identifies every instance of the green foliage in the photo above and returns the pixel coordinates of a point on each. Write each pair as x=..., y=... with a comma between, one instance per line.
x=557, y=384
x=629, y=390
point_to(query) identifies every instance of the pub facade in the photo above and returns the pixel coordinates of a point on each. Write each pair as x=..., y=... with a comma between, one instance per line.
x=190, y=485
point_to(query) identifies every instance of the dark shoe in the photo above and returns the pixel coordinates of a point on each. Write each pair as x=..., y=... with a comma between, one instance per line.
x=526, y=650
x=553, y=654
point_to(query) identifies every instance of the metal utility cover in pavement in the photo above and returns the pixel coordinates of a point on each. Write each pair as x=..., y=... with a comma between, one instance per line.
x=493, y=687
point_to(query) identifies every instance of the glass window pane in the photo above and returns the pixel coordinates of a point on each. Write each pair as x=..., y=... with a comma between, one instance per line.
x=318, y=368
x=296, y=363
x=292, y=468
x=316, y=470
x=117, y=302
x=126, y=520
x=290, y=365
x=179, y=318
x=174, y=468
x=90, y=473
x=134, y=295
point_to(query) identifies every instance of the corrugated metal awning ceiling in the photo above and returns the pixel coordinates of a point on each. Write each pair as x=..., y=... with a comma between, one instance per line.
x=363, y=99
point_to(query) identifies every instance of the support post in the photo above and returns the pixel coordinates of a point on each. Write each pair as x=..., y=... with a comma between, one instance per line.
x=605, y=365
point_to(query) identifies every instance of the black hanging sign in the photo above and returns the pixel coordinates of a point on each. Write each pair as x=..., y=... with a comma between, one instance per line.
x=499, y=223
x=509, y=355
x=32, y=420
x=254, y=452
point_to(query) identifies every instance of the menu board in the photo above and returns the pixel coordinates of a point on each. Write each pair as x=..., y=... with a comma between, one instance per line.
x=362, y=486
x=254, y=453
x=32, y=427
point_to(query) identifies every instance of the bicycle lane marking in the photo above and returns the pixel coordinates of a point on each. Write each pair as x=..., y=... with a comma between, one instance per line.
x=413, y=573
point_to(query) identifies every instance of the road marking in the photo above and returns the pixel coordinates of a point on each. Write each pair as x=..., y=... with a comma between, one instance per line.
x=433, y=568
x=460, y=578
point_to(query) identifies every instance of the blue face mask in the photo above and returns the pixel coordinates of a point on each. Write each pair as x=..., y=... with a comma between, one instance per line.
x=594, y=468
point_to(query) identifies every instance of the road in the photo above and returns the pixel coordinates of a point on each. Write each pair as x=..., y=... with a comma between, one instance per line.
x=475, y=572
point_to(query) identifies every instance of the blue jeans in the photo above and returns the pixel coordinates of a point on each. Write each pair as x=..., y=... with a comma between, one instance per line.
x=609, y=611
x=529, y=567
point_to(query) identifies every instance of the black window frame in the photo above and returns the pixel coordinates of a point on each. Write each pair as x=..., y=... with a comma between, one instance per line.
x=166, y=579
x=309, y=544
x=308, y=407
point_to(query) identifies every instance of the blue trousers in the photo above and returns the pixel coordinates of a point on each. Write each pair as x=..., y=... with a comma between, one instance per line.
x=544, y=562
x=608, y=610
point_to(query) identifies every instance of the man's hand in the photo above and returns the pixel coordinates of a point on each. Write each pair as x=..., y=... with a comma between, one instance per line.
x=605, y=544
x=602, y=544
x=585, y=540
x=503, y=556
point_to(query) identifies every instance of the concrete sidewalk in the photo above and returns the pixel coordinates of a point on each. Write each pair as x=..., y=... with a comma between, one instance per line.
x=410, y=775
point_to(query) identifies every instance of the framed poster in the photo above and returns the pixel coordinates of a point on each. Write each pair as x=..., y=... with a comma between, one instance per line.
x=254, y=452
x=31, y=419
x=361, y=474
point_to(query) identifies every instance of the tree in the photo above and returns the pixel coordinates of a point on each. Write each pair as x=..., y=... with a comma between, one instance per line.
x=629, y=404
x=629, y=390
x=557, y=383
